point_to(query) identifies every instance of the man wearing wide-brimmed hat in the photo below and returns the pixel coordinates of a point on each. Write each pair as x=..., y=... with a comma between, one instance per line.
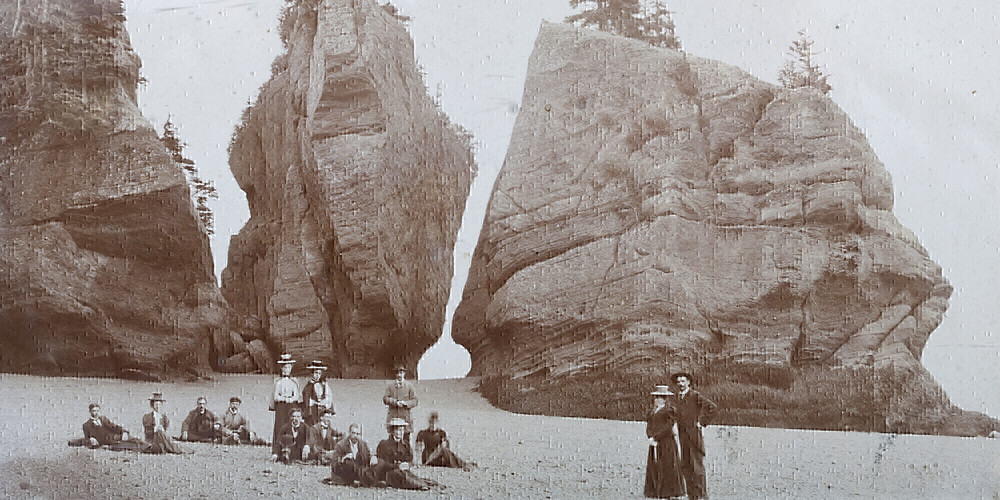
x=316, y=394
x=395, y=456
x=286, y=395
x=693, y=411
x=400, y=398
x=663, y=477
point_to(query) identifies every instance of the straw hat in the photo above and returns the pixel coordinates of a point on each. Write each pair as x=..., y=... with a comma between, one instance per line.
x=662, y=390
x=157, y=397
x=396, y=422
x=316, y=365
x=286, y=359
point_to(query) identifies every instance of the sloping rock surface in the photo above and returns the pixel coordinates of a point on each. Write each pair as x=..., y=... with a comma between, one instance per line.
x=356, y=184
x=659, y=211
x=105, y=268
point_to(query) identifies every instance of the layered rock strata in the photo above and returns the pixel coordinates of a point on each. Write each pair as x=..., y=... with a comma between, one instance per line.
x=356, y=184
x=659, y=211
x=105, y=268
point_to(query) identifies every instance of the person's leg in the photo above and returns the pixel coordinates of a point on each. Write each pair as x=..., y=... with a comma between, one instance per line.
x=697, y=487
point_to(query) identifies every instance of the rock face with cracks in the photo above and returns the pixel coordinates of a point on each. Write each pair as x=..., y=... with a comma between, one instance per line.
x=658, y=211
x=105, y=268
x=356, y=184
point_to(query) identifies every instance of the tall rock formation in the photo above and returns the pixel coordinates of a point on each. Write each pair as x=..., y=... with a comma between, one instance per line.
x=105, y=268
x=658, y=211
x=356, y=184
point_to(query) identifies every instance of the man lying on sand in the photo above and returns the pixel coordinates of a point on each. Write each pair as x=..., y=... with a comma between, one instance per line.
x=99, y=430
x=199, y=424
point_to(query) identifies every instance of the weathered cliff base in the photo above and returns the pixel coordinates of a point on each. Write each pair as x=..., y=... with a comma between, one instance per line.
x=356, y=184
x=658, y=211
x=105, y=268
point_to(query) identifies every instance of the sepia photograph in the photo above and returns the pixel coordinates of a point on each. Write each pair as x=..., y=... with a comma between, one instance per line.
x=499, y=249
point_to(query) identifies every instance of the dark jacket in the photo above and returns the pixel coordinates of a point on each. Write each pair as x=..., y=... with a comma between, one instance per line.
x=343, y=447
x=319, y=443
x=394, y=452
x=198, y=423
x=106, y=433
x=692, y=409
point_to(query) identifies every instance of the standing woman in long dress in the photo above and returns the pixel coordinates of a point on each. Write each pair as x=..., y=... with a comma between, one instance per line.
x=155, y=423
x=663, y=476
x=286, y=395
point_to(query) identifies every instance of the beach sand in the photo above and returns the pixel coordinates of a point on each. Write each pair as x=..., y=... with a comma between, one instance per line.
x=518, y=456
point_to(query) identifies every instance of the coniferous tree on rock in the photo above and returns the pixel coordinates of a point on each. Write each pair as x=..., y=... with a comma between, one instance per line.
x=801, y=70
x=202, y=189
x=646, y=20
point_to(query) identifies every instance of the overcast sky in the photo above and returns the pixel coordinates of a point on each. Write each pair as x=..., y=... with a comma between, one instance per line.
x=919, y=79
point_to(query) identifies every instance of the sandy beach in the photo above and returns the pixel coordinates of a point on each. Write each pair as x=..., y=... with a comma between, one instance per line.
x=519, y=456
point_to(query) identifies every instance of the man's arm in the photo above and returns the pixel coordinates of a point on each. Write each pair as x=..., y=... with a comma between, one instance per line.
x=708, y=409
x=185, y=425
x=411, y=397
x=86, y=430
x=113, y=426
x=388, y=399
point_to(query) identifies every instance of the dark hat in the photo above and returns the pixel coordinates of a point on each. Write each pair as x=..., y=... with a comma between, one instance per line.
x=673, y=378
x=399, y=368
x=285, y=359
x=93, y=405
x=434, y=415
x=157, y=397
x=235, y=399
x=316, y=365
x=662, y=390
x=328, y=411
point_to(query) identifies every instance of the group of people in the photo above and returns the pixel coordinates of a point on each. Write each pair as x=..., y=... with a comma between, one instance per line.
x=201, y=425
x=303, y=433
x=676, y=460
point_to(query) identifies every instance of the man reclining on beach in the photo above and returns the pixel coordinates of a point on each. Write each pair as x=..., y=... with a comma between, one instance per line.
x=100, y=431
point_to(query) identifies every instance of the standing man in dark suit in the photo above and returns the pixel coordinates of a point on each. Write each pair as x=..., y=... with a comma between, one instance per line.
x=400, y=398
x=101, y=431
x=693, y=411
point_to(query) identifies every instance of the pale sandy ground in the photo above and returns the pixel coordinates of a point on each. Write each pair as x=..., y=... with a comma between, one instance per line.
x=519, y=456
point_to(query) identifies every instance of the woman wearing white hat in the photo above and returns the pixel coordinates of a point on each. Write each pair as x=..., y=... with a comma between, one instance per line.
x=663, y=477
x=316, y=394
x=286, y=395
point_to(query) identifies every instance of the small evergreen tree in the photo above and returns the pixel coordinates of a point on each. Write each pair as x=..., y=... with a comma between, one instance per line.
x=646, y=20
x=201, y=189
x=801, y=70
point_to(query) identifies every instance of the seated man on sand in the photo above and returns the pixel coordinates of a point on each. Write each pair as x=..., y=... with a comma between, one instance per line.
x=294, y=438
x=394, y=459
x=325, y=439
x=199, y=424
x=99, y=430
x=433, y=445
x=351, y=460
x=234, y=427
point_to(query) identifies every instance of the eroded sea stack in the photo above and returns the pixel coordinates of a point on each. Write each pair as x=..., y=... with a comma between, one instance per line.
x=658, y=211
x=105, y=268
x=356, y=184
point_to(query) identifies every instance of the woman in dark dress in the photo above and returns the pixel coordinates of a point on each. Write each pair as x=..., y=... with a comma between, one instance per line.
x=663, y=477
x=434, y=442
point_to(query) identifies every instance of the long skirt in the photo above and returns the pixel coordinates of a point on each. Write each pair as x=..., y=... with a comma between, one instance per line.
x=444, y=457
x=160, y=442
x=282, y=415
x=663, y=476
